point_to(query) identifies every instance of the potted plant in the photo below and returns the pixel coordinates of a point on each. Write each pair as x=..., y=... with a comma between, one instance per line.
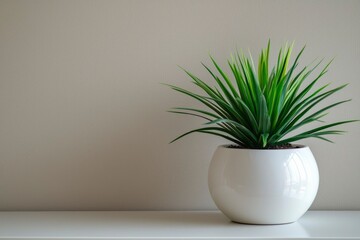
x=262, y=177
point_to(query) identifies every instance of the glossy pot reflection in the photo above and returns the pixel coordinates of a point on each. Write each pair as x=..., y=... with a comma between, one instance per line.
x=263, y=186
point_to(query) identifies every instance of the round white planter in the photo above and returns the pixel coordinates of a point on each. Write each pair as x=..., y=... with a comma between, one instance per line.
x=257, y=186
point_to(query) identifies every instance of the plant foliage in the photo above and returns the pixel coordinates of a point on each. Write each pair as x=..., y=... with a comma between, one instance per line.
x=259, y=108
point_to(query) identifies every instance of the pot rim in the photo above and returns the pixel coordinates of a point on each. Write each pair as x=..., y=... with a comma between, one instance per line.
x=297, y=147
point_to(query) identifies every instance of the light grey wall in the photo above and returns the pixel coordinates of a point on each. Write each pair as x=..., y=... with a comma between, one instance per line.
x=82, y=114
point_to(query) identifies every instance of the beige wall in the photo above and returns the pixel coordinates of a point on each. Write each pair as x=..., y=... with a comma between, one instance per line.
x=82, y=114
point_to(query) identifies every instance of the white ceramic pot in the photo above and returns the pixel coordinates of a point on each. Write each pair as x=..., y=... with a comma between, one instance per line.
x=257, y=186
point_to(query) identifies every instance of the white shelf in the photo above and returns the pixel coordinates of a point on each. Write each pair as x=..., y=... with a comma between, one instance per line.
x=171, y=225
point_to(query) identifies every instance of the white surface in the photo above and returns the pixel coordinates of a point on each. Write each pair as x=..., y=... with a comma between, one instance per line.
x=263, y=186
x=171, y=225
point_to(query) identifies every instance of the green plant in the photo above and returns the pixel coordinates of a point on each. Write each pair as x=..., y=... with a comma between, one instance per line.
x=259, y=109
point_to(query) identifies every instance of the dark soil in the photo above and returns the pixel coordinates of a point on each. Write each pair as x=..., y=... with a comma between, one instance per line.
x=284, y=146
